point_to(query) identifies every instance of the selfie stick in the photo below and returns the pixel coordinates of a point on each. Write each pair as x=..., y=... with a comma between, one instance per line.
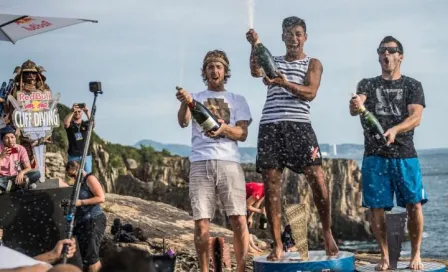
x=95, y=88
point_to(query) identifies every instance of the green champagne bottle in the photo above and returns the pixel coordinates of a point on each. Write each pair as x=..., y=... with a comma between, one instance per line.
x=263, y=222
x=372, y=124
x=205, y=119
x=265, y=60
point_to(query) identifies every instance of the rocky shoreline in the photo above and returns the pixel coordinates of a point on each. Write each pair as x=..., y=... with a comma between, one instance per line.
x=161, y=221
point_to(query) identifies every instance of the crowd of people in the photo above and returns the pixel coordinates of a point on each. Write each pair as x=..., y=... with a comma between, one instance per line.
x=286, y=139
x=19, y=170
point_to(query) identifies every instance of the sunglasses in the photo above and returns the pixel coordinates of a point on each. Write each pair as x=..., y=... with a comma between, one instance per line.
x=391, y=50
x=77, y=111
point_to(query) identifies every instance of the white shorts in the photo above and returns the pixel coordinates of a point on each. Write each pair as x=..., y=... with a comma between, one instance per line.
x=210, y=178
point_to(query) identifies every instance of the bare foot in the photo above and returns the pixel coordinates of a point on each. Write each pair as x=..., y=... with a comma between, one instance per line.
x=292, y=249
x=330, y=244
x=383, y=265
x=276, y=254
x=254, y=249
x=416, y=263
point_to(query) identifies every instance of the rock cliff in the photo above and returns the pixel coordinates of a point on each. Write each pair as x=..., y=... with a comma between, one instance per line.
x=159, y=176
x=162, y=221
x=167, y=181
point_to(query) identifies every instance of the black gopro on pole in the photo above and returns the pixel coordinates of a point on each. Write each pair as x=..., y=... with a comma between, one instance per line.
x=95, y=88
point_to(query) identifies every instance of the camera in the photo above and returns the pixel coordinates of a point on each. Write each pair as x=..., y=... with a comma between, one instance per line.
x=65, y=204
x=81, y=105
x=95, y=87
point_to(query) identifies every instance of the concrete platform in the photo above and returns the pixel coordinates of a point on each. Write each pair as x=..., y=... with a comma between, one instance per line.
x=403, y=267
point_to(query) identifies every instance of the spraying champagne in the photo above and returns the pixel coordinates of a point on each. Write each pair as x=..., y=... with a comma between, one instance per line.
x=265, y=60
x=373, y=125
x=206, y=120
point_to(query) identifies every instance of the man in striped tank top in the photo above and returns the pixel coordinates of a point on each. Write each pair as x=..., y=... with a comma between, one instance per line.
x=286, y=137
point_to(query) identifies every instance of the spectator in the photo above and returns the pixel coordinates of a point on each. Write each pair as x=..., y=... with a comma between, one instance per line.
x=254, y=199
x=90, y=221
x=77, y=130
x=14, y=261
x=16, y=171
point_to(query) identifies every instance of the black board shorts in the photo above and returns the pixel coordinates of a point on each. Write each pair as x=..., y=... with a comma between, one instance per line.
x=287, y=144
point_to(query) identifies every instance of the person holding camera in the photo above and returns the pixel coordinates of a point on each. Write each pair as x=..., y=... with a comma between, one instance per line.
x=77, y=130
x=15, y=171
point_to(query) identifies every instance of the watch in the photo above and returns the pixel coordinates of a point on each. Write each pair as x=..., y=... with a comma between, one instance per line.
x=82, y=203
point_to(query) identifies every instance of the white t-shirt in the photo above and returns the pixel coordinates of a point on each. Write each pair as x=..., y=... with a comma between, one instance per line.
x=224, y=105
x=10, y=259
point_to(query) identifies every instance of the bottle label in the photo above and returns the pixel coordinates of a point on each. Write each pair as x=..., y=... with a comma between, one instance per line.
x=208, y=124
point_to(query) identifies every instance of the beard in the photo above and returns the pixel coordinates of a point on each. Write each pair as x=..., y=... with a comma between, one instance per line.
x=216, y=82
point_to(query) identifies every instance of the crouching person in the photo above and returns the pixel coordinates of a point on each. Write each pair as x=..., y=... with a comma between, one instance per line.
x=15, y=172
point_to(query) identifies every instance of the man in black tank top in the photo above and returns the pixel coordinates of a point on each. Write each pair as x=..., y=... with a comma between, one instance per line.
x=286, y=137
x=397, y=101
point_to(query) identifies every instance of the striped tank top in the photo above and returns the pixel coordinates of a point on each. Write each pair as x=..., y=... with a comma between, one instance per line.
x=281, y=104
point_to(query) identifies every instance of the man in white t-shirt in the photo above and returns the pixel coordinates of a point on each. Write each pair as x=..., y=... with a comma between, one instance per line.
x=215, y=159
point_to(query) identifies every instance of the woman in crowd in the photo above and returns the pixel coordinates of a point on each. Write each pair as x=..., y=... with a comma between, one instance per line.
x=90, y=221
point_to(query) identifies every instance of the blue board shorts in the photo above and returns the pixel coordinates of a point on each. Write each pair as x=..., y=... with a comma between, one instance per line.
x=382, y=177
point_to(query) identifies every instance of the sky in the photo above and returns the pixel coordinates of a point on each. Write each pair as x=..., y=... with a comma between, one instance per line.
x=142, y=49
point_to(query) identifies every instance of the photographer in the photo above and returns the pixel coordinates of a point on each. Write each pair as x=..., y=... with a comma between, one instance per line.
x=16, y=171
x=77, y=130
x=90, y=221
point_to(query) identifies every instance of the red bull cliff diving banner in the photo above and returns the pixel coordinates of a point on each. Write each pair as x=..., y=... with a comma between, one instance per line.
x=36, y=114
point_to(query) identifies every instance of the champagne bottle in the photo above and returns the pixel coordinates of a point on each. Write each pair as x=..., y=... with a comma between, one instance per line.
x=206, y=120
x=265, y=60
x=372, y=123
x=263, y=222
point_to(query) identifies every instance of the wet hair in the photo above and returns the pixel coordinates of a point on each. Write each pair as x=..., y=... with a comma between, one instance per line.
x=389, y=39
x=72, y=165
x=215, y=54
x=293, y=21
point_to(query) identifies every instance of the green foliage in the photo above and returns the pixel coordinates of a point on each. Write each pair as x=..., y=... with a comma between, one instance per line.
x=165, y=152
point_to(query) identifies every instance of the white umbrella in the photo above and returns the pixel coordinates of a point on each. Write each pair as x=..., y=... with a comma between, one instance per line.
x=17, y=27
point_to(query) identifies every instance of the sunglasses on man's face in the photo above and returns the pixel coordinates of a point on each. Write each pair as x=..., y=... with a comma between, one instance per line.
x=391, y=50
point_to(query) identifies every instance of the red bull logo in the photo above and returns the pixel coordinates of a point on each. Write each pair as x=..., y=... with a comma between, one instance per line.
x=36, y=106
x=25, y=20
x=27, y=24
x=29, y=106
x=43, y=106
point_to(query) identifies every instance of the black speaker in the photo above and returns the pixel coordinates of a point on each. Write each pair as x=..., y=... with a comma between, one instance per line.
x=33, y=221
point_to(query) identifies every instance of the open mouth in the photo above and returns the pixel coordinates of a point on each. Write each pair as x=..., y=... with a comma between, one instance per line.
x=386, y=61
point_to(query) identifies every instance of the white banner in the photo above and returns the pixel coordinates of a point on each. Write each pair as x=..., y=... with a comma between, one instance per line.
x=13, y=30
x=36, y=114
